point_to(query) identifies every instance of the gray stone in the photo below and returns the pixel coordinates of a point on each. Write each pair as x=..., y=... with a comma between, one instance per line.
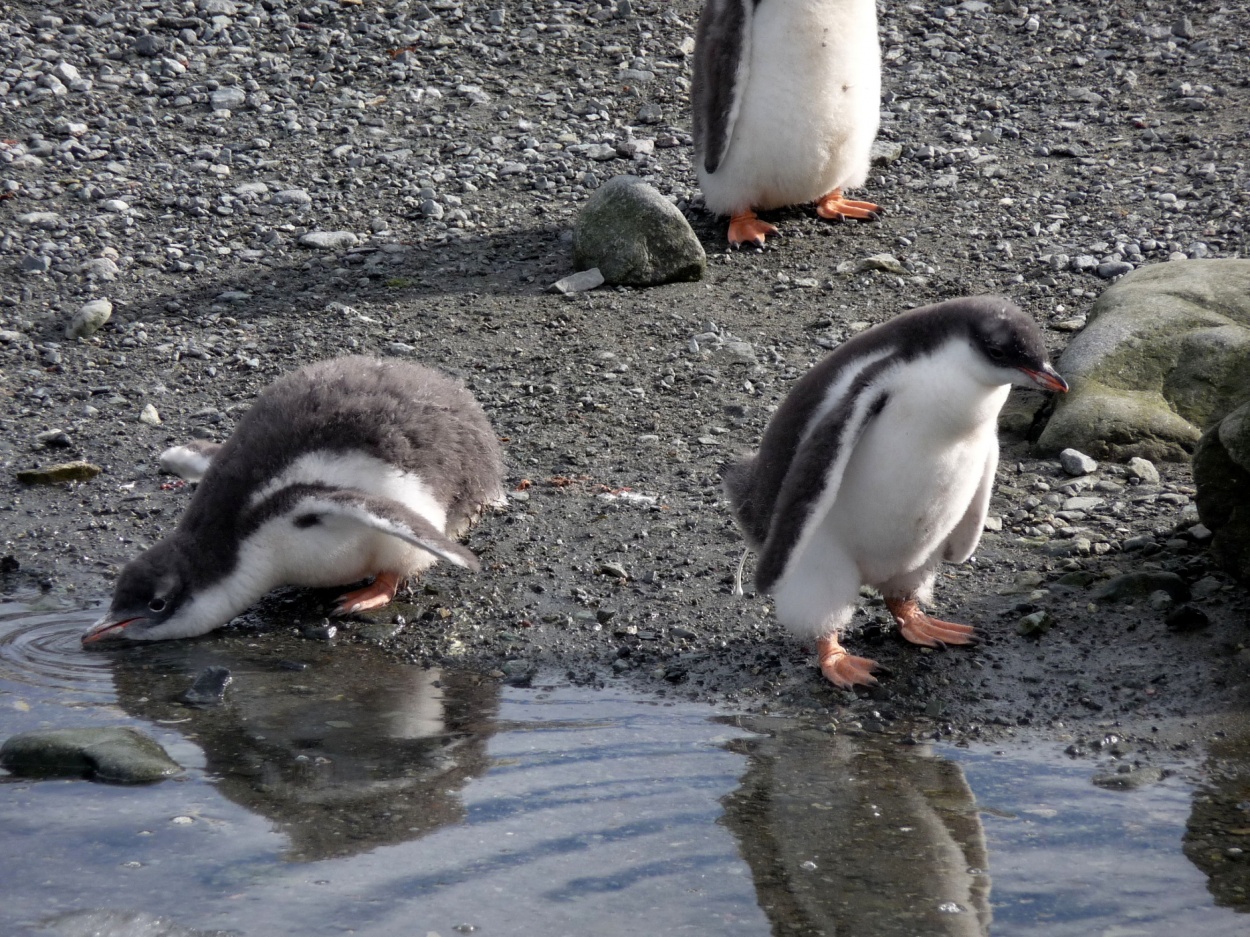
x=78, y=471
x=90, y=318
x=42, y=220
x=1114, y=268
x=225, y=99
x=35, y=263
x=887, y=263
x=114, y=755
x=650, y=114
x=1222, y=477
x=1141, y=585
x=1081, y=504
x=602, y=152
x=1034, y=625
x=578, y=282
x=329, y=240
x=297, y=197
x=1144, y=470
x=99, y=268
x=255, y=189
x=149, y=46
x=149, y=415
x=1187, y=618
x=636, y=237
x=1161, y=356
x=1076, y=463
x=884, y=152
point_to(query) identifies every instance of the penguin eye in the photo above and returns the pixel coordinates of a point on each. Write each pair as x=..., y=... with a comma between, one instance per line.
x=306, y=520
x=996, y=354
x=156, y=605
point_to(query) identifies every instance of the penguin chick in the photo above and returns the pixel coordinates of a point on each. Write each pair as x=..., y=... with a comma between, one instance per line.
x=879, y=465
x=786, y=100
x=342, y=470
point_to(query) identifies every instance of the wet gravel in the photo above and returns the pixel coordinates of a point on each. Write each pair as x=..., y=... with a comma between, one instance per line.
x=255, y=185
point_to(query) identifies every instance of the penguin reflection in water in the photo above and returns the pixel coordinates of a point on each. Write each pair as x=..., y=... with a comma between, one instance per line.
x=879, y=465
x=786, y=100
x=343, y=470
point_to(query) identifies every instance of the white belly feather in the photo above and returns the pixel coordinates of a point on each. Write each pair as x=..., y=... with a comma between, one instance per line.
x=810, y=109
x=915, y=471
x=899, y=503
x=333, y=552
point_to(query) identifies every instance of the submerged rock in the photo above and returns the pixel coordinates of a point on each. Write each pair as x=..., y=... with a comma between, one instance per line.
x=1131, y=780
x=1163, y=355
x=106, y=922
x=116, y=755
x=208, y=689
x=636, y=237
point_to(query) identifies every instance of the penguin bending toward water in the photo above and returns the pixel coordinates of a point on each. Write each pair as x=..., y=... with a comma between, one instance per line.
x=343, y=470
x=786, y=99
x=879, y=465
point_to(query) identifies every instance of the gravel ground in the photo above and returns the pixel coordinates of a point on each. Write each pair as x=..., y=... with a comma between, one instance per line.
x=173, y=157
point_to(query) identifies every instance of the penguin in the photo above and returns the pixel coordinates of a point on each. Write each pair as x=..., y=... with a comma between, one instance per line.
x=786, y=101
x=878, y=466
x=346, y=469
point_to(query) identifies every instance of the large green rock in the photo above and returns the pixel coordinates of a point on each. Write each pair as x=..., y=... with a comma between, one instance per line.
x=636, y=237
x=1222, y=477
x=1164, y=354
x=116, y=755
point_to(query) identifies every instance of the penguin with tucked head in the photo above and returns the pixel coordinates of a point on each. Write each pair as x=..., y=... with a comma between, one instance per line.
x=878, y=466
x=346, y=469
x=786, y=98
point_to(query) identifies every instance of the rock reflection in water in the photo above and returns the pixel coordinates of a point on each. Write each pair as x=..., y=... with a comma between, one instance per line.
x=858, y=835
x=350, y=753
x=1217, y=834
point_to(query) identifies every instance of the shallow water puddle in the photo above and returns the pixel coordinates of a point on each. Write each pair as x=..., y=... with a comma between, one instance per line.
x=337, y=792
x=1071, y=859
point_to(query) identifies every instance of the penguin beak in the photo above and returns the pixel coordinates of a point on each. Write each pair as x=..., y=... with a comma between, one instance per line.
x=107, y=629
x=1047, y=379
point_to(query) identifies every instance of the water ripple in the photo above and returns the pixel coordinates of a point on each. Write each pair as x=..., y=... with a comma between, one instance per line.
x=43, y=649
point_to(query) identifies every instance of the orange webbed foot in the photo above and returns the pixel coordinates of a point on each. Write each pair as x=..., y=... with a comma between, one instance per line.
x=835, y=206
x=919, y=628
x=378, y=593
x=842, y=669
x=746, y=228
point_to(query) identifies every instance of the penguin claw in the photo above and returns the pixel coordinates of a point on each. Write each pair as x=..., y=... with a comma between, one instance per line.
x=746, y=228
x=377, y=594
x=842, y=669
x=919, y=628
x=835, y=206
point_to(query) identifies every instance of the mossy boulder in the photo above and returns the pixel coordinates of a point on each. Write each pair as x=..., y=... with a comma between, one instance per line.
x=1163, y=355
x=636, y=237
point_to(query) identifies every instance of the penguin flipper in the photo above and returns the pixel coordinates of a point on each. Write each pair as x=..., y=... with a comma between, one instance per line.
x=385, y=515
x=722, y=57
x=963, y=540
x=812, y=480
x=190, y=460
